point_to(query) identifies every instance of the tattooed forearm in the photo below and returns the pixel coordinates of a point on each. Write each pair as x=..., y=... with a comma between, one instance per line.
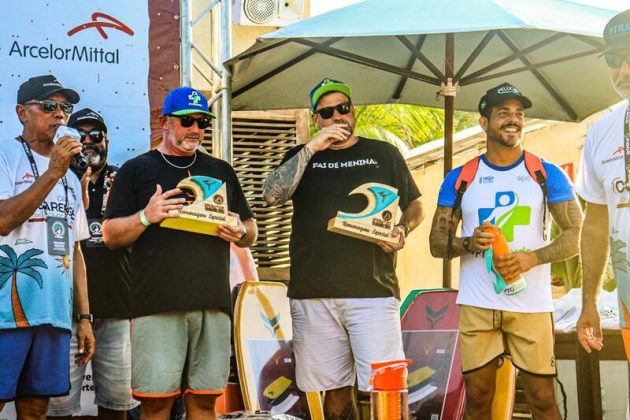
x=282, y=182
x=594, y=248
x=568, y=216
x=438, y=238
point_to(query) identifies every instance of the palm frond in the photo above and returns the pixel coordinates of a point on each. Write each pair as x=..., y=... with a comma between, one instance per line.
x=34, y=274
x=10, y=253
x=28, y=254
x=4, y=277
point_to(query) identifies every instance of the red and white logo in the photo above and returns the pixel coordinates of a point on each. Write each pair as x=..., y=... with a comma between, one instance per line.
x=618, y=151
x=27, y=176
x=106, y=21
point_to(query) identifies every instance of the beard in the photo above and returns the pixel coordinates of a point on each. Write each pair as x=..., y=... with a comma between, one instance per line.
x=97, y=159
x=499, y=137
x=622, y=86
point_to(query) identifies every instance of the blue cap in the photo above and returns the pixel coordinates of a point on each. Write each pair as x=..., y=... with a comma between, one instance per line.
x=617, y=32
x=185, y=100
x=327, y=86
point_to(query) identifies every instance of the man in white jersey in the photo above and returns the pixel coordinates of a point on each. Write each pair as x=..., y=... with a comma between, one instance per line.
x=42, y=272
x=604, y=183
x=495, y=322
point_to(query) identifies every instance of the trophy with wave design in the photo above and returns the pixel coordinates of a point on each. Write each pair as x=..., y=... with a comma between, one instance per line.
x=205, y=209
x=376, y=222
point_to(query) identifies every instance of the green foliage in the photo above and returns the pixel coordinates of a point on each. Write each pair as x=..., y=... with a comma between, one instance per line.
x=405, y=126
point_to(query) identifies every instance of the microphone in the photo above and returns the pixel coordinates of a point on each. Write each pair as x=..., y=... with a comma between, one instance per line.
x=62, y=131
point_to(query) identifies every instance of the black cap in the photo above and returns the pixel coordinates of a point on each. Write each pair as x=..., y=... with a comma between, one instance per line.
x=617, y=32
x=41, y=87
x=499, y=94
x=86, y=115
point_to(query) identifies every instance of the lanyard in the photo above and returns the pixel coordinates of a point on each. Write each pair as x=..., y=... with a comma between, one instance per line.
x=106, y=173
x=626, y=145
x=64, y=181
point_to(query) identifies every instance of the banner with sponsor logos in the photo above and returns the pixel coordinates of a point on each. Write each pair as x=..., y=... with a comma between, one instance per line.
x=99, y=48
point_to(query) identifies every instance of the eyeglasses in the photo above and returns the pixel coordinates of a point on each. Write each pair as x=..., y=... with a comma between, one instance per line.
x=96, y=136
x=188, y=121
x=615, y=61
x=48, y=105
x=329, y=111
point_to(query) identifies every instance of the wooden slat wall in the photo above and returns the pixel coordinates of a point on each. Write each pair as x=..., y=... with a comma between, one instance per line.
x=260, y=140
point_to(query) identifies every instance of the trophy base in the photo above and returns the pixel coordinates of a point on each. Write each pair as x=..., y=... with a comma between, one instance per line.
x=205, y=227
x=360, y=231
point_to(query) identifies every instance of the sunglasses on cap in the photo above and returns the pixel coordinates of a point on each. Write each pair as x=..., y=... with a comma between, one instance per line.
x=48, y=105
x=96, y=136
x=188, y=121
x=329, y=111
x=615, y=61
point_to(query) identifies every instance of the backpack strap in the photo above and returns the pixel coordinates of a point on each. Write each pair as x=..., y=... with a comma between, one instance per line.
x=464, y=179
x=536, y=170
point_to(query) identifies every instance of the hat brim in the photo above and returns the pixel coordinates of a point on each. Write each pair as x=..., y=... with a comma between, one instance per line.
x=71, y=95
x=193, y=111
x=330, y=87
x=93, y=121
x=525, y=101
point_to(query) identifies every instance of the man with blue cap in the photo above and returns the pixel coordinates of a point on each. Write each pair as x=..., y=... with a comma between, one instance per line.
x=181, y=298
x=342, y=289
x=604, y=183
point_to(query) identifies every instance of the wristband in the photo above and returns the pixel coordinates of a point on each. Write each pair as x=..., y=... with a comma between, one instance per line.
x=87, y=317
x=405, y=228
x=143, y=218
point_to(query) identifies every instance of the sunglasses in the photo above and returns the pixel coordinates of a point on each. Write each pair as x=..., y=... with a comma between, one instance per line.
x=615, y=61
x=48, y=105
x=329, y=111
x=96, y=136
x=188, y=121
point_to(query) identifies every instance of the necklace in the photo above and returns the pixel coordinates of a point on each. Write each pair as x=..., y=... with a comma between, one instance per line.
x=179, y=167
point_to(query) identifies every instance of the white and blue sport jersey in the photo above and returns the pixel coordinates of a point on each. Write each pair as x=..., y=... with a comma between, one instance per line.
x=507, y=197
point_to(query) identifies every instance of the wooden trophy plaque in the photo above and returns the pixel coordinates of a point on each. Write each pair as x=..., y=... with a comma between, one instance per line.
x=376, y=222
x=205, y=209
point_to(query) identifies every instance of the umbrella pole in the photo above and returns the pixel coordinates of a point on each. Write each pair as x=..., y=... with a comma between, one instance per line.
x=449, y=100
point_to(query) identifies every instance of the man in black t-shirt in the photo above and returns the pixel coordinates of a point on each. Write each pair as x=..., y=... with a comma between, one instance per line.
x=343, y=290
x=109, y=288
x=180, y=286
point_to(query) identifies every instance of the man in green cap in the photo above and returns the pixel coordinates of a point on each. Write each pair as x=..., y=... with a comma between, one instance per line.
x=342, y=289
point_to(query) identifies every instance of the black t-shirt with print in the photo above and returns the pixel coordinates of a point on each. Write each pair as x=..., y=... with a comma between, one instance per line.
x=174, y=269
x=329, y=265
x=108, y=270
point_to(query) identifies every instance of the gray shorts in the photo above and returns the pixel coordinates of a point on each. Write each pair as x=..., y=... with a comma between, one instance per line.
x=111, y=371
x=180, y=352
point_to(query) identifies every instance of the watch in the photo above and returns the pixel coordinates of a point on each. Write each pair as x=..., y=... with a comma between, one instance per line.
x=466, y=243
x=405, y=228
x=81, y=317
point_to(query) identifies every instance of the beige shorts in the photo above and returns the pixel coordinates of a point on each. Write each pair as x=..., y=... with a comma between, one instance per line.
x=527, y=338
x=180, y=352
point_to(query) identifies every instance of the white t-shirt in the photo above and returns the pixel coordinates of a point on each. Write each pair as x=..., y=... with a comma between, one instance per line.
x=507, y=197
x=601, y=180
x=43, y=282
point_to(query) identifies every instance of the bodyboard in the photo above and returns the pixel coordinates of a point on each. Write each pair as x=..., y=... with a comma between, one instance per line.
x=430, y=331
x=264, y=353
x=503, y=403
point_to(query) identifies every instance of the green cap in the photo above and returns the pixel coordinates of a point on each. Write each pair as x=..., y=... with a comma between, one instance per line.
x=327, y=86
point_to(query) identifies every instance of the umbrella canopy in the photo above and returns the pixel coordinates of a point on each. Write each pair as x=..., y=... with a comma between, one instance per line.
x=420, y=51
x=395, y=51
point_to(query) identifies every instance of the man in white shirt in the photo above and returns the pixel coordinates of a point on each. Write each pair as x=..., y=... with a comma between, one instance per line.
x=604, y=183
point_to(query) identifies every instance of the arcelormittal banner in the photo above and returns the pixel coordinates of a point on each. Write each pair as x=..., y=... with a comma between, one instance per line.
x=100, y=48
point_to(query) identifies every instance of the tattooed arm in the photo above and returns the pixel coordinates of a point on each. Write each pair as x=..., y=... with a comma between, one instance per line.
x=438, y=238
x=594, y=248
x=568, y=216
x=284, y=180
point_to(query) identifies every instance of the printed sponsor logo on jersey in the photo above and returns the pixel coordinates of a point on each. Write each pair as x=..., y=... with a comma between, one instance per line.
x=524, y=178
x=23, y=241
x=506, y=213
x=486, y=179
x=617, y=155
x=346, y=164
x=619, y=186
x=27, y=178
